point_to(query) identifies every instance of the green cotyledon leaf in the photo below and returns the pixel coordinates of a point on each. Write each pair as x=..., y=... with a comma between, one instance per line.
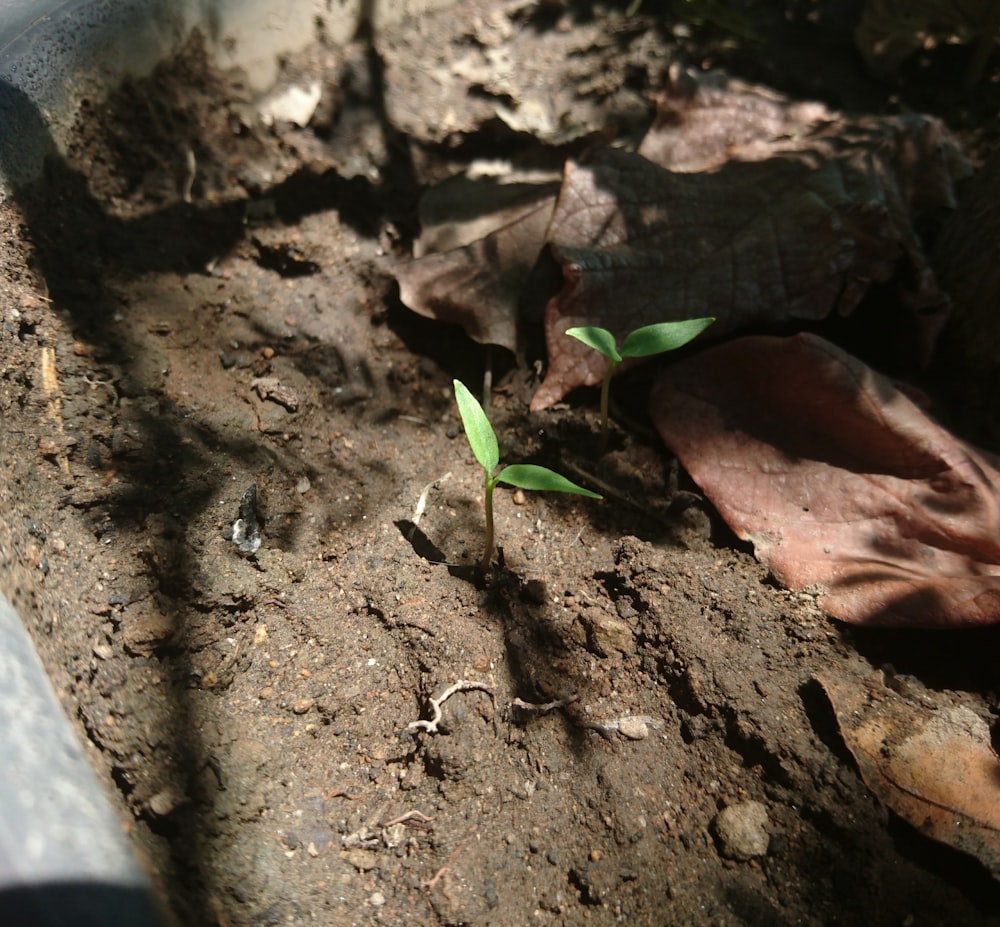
x=478, y=429
x=533, y=477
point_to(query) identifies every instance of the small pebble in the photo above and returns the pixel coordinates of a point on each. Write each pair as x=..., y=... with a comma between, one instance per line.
x=376, y=900
x=302, y=706
x=103, y=651
x=163, y=803
x=633, y=728
x=519, y=497
x=741, y=830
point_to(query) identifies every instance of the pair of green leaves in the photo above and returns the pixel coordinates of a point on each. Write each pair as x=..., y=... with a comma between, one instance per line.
x=643, y=342
x=483, y=441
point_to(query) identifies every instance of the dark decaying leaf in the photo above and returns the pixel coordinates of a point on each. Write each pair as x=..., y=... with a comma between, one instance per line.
x=708, y=119
x=760, y=212
x=965, y=259
x=752, y=229
x=839, y=480
x=470, y=206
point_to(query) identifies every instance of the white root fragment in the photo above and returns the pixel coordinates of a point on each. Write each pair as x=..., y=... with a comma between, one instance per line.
x=431, y=727
x=190, y=173
x=422, y=501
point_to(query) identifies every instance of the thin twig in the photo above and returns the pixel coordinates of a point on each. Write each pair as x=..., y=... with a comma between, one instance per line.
x=547, y=706
x=414, y=815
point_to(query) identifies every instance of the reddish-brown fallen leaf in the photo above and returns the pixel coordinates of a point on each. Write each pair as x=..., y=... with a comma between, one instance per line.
x=840, y=481
x=934, y=768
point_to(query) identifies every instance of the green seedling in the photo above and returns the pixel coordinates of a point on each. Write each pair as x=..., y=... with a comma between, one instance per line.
x=483, y=441
x=643, y=342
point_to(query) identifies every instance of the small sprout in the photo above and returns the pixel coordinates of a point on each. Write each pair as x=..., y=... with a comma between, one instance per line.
x=483, y=442
x=643, y=342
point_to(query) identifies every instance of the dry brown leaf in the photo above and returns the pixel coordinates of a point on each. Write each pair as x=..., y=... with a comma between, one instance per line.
x=704, y=119
x=708, y=119
x=479, y=285
x=487, y=197
x=839, y=480
x=936, y=769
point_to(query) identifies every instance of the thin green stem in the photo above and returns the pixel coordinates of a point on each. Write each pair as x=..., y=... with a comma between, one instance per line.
x=488, y=487
x=605, y=391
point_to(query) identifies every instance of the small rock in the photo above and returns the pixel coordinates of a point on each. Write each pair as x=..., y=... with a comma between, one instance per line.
x=54, y=445
x=376, y=899
x=362, y=860
x=146, y=632
x=291, y=104
x=607, y=635
x=271, y=388
x=741, y=830
x=633, y=728
x=163, y=803
x=102, y=650
x=302, y=706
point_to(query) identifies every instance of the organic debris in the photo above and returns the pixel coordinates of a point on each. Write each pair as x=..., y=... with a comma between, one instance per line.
x=935, y=769
x=841, y=481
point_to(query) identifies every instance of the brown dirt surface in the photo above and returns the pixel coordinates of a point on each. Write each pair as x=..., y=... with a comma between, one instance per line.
x=635, y=671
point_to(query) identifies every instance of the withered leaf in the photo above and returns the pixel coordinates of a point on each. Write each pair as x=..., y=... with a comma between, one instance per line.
x=704, y=119
x=840, y=481
x=479, y=285
x=769, y=212
x=935, y=768
x=707, y=119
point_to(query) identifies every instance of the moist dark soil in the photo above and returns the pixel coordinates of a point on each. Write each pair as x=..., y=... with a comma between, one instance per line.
x=196, y=303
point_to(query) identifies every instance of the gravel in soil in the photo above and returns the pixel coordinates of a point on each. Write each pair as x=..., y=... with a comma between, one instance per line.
x=639, y=735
